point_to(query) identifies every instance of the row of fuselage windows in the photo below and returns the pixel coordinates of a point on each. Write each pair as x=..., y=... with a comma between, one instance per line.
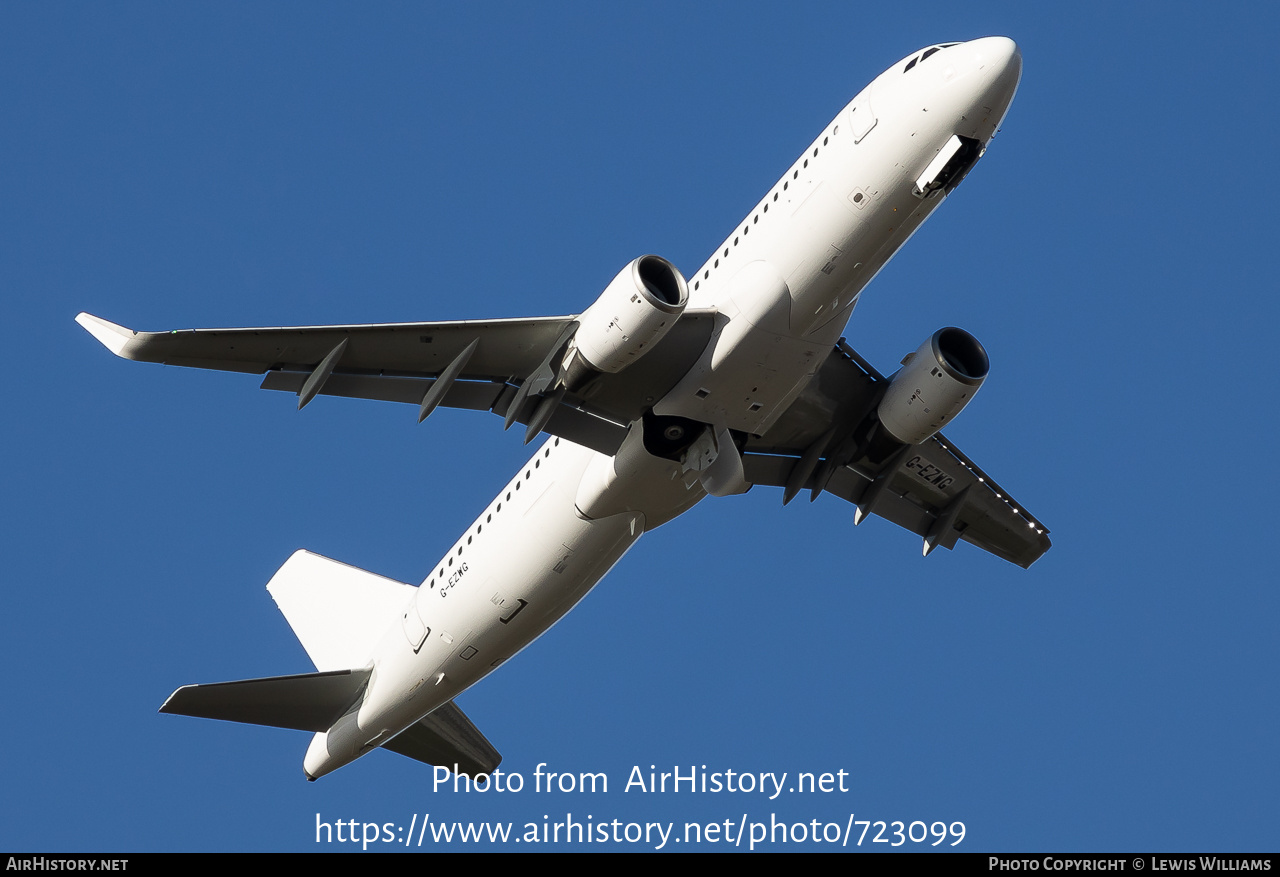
x=488, y=518
x=762, y=210
x=795, y=175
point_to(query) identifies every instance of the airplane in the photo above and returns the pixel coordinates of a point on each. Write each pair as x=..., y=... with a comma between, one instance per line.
x=665, y=390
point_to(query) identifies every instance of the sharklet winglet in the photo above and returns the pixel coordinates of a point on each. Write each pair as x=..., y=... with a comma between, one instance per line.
x=113, y=337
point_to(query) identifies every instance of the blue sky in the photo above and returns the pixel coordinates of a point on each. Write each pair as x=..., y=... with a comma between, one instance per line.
x=227, y=164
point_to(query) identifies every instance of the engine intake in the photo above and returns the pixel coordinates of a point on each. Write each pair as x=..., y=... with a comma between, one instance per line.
x=933, y=385
x=632, y=315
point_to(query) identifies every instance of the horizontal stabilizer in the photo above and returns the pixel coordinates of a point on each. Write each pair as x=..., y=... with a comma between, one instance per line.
x=449, y=739
x=338, y=612
x=310, y=702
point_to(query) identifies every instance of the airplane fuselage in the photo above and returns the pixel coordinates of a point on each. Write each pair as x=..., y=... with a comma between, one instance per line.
x=784, y=284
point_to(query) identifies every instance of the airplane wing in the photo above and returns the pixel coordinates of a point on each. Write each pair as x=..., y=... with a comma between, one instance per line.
x=477, y=364
x=931, y=489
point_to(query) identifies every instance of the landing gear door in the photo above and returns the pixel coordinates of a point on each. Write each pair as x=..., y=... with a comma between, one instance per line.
x=949, y=166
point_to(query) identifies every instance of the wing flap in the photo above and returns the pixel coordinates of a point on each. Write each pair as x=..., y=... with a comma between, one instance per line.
x=567, y=422
x=475, y=395
x=987, y=519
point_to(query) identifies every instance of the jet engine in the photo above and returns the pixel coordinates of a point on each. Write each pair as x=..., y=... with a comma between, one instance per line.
x=632, y=315
x=933, y=385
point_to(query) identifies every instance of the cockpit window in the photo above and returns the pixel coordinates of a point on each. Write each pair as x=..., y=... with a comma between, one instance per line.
x=919, y=59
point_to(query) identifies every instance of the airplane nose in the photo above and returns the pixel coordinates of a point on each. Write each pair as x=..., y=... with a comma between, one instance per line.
x=996, y=50
x=987, y=72
x=1000, y=61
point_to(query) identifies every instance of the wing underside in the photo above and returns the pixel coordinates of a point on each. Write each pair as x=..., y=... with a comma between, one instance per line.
x=479, y=364
x=931, y=489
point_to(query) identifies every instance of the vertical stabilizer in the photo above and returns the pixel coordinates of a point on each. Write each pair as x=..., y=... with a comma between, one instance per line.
x=338, y=612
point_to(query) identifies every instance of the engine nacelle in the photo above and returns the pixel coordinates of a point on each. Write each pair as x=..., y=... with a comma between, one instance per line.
x=632, y=315
x=934, y=385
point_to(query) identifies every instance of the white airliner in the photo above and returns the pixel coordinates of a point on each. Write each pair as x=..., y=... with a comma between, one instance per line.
x=664, y=390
